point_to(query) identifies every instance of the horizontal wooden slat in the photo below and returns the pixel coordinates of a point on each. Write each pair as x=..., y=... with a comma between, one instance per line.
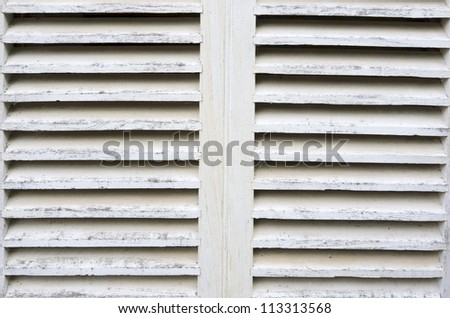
x=350, y=149
x=340, y=205
x=351, y=33
x=103, y=59
x=92, y=175
x=101, y=233
x=98, y=146
x=348, y=235
x=133, y=87
x=101, y=262
x=160, y=204
x=103, y=30
x=94, y=287
x=102, y=116
x=345, y=287
x=301, y=263
x=103, y=6
x=310, y=119
x=360, y=8
x=361, y=177
x=350, y=90
x=350, y=62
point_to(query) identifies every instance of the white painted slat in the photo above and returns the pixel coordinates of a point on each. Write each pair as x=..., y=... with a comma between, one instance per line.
x=310, y=119
x=350, y=62
x=356, y=206
x=348, y=235
x=357, y=149
x=102, y=117
x=349, y=32
x=91, y=146
x=350, y=90
x=361, y=177
x=102, y=262
x=103, y=6
x=345, y=287
x=94, y=287
x=91, y=175
x=160, y=204
x=104, y=30
x=101, y=233
x=133, y=87
x=331, y=264
x=360, y=8
x=103, y=59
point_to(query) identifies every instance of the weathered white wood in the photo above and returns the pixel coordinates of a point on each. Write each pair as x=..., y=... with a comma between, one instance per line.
x=350, y=91
x=104, y=59
x=238, y=107
x=376, y=264
x=91, y=175
x=351, y=33
x=350, y=62
x=351, y=206
x=239, y=116
x=101, y=233
x=4, y=22
x=103, y=6
x=159, y=204
x=357, y=149
x=94, y=287
x=444, y=283
x=102, y=262
x=348, y=235
x=361, y=8
x=102, y=117
x=353, y=178
x=103, y=30
x=52, y=88
x=89, y=146
x=317, y=119
x=345, y=287
x=445, y=225
x=211, y=255
x=356, y=120
x=117, y=116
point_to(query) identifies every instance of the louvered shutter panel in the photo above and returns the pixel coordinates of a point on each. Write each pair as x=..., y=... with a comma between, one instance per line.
x=372, y=72
x=78, y=74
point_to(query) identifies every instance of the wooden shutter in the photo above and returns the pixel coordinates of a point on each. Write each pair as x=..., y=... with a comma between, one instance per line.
x=375, y=73
x=78, y=74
